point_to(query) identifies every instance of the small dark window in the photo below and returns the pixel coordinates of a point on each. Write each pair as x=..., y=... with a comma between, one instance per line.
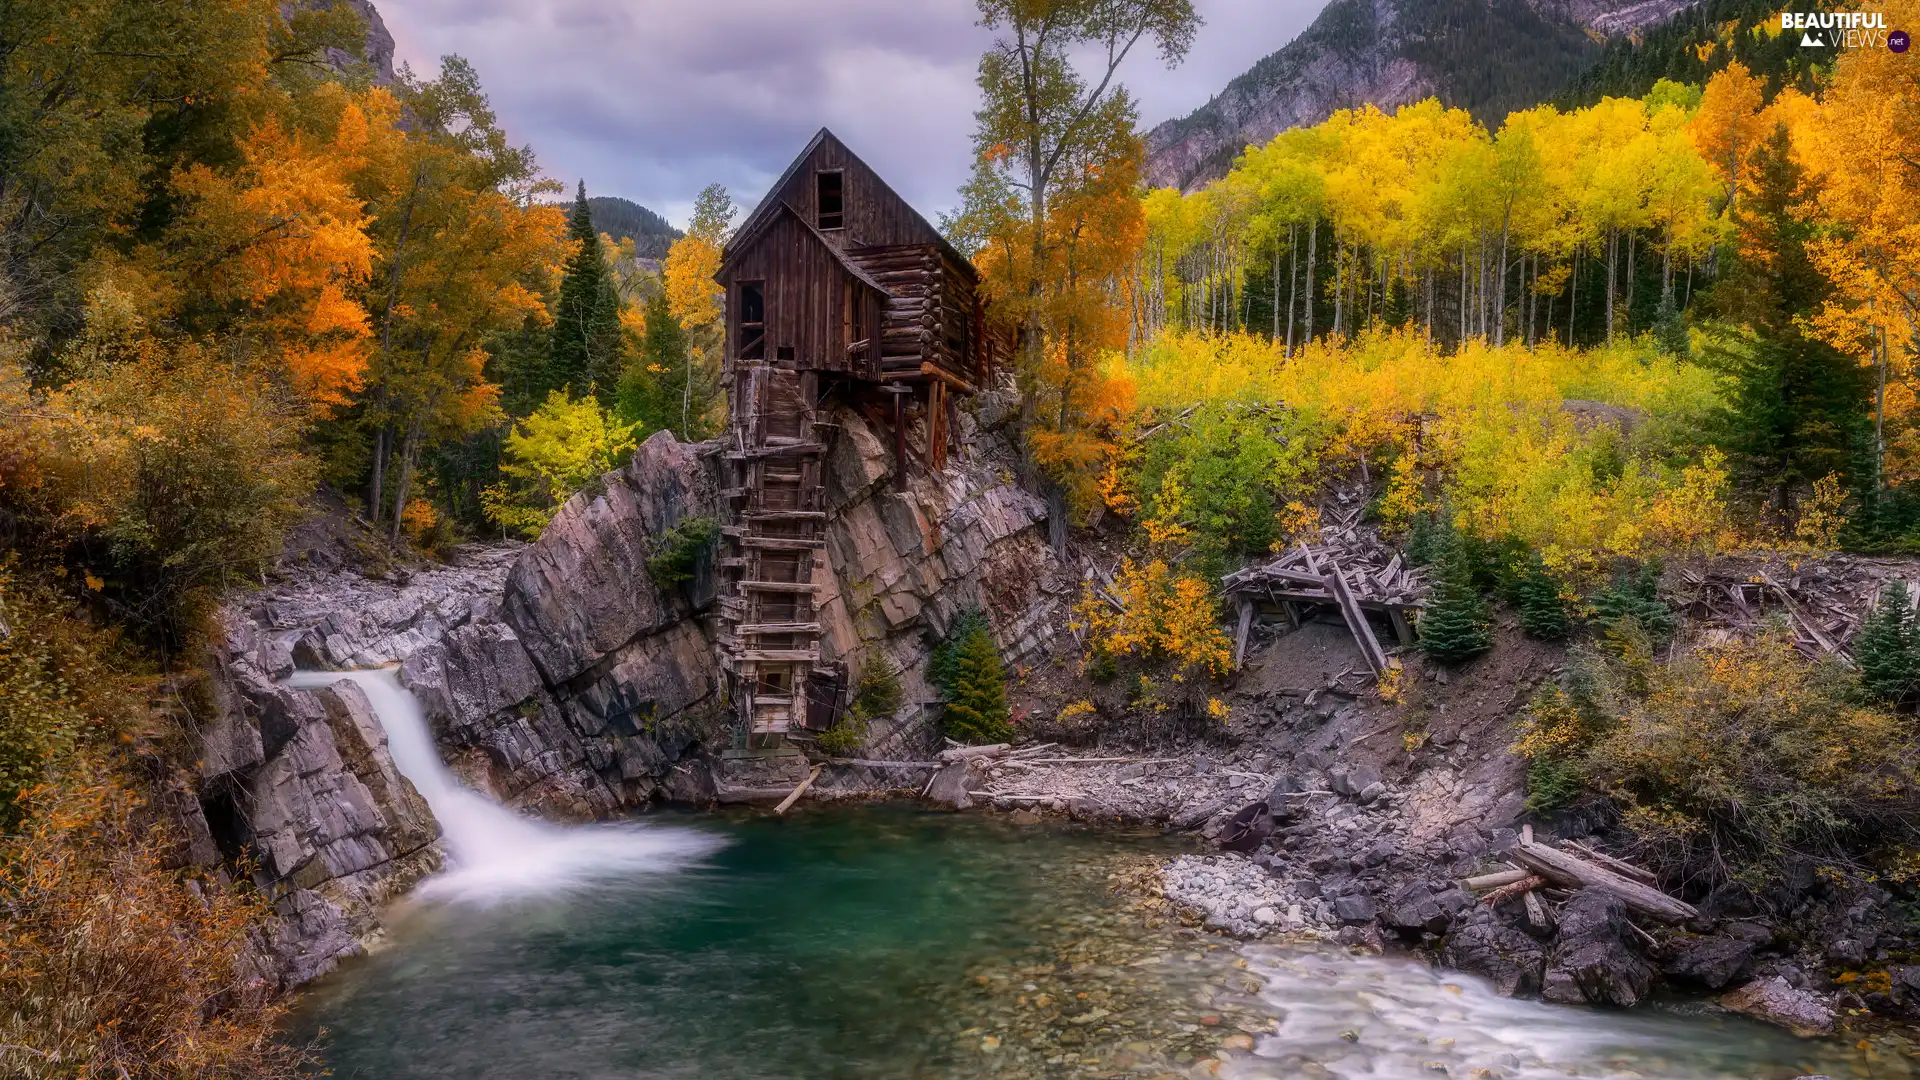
x=832, y=201
x=783, y=356
x=753, y=321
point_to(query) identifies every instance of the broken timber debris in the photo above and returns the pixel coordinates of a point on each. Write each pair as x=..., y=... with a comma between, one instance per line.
x=1351, y=574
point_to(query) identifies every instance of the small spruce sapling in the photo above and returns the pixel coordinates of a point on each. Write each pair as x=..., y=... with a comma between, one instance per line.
x=1635, y=595
x=977, y=704
x=1885, y=649
x=1456, y=624
x=1535, y=594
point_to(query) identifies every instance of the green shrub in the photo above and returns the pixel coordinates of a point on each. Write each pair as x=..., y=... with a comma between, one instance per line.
x=1553, y=782
x=677, y=552
x=847, y=735
x=1734, y=759
x=976, y=709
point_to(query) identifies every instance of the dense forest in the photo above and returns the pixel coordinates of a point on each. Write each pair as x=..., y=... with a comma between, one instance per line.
x=235, y=272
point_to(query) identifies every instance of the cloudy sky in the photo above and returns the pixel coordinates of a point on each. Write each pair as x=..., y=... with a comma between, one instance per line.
x=653, y=99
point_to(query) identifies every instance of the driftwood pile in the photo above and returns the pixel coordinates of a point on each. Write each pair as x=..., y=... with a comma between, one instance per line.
x=1349, y=571
x=1556, y=871
x=1822, y=601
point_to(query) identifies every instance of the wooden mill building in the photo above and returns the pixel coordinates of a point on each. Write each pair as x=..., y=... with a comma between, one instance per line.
x=838, y=294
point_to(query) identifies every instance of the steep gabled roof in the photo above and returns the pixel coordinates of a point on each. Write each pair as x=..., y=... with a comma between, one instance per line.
x=770, y=206
x=778, y=210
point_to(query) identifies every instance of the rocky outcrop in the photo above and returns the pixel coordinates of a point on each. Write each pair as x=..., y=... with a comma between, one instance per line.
x=299, y=785
x=560, y=678
x=1483, y=945
x=1593, y=959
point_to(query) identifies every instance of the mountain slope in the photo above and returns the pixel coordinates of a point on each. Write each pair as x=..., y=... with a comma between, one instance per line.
x=625, y=219
x=1487, y=56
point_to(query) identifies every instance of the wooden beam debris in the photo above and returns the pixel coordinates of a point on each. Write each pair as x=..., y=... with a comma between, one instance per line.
x=799, y=790
x=1351, y=573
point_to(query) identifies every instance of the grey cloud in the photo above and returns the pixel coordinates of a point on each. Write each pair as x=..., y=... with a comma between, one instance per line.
x=653, y=99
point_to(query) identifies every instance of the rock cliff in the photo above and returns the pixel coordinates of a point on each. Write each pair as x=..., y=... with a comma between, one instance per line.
x=561, y=679
x=1487, y=56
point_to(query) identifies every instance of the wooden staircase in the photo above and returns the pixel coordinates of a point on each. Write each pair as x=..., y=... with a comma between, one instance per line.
x=769, y=627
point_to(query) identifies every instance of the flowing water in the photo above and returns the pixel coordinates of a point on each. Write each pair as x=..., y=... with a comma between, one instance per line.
x=886, y=942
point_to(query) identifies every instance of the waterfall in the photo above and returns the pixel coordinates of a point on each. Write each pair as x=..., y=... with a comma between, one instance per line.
x=494, y=852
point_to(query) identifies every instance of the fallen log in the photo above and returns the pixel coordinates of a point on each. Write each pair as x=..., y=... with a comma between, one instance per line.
x=1571, y=870
x=1494, y=880
x=1523, y=887
x=874, y=763
x=1626, y=869
x=963, y=753
x=799, y=790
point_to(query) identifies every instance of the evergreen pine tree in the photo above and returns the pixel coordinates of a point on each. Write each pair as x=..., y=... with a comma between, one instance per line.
x=977, y=705
x=1456, y=624
x=1536, y=595
x=1886, y=646
x=586, y=345
x=1797, y=408
x=652, y=386
x=1635, y=595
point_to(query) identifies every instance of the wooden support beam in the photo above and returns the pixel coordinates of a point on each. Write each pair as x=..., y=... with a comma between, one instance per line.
x=786, y=656
x=1401, y=629
x=1240, y=634
x=781, y=586
x=781, y=543
x=952, y=380
x=785, y=515
x=779, y=628
x=794, y=796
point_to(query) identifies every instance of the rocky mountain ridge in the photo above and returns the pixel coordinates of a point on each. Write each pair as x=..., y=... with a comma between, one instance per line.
x=1488, y=56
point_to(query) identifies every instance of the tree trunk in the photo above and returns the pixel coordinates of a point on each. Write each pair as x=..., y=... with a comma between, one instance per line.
x=1313, y=240
x=1293, y=285
x=1500, y=294
x=1573, y=299
x=1613, y=243
x=403, y=484
x=381, y=440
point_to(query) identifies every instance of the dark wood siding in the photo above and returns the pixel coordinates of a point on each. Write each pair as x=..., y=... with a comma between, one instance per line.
x=805, y=288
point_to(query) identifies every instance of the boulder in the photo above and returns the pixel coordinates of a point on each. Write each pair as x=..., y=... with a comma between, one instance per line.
x=1712, y=962
x=1482, y=945
x=1592, y=959
x=1777, y=1002
x=472, y=673
x=952, y=784
x=1352, y=780
x=1355, y=909
x=1420, y=908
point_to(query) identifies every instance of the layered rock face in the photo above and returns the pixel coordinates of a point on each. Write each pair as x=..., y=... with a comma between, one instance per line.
x=559, y=678
x=1488, y=57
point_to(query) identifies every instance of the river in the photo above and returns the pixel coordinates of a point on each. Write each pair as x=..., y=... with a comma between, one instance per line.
x=892, y=942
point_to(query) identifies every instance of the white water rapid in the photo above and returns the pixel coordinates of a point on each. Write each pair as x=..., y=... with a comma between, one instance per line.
x=495, y=853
